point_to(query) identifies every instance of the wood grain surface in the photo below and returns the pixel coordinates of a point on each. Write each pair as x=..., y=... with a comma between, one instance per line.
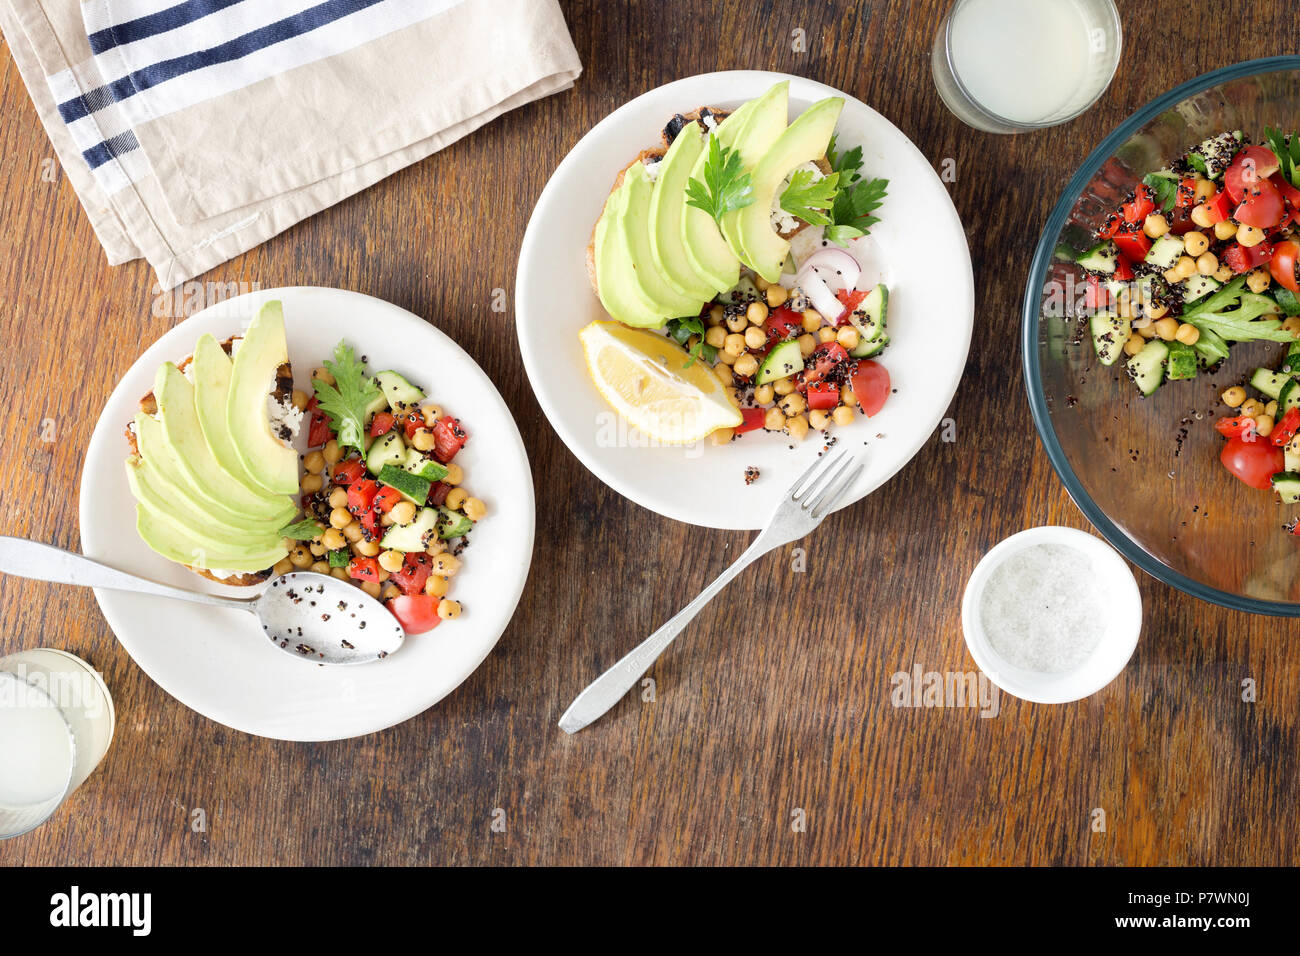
x=774, y=708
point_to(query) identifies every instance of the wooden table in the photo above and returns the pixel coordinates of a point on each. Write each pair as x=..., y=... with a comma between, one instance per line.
x=772, y=738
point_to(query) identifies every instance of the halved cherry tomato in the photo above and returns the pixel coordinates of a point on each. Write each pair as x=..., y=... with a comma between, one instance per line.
x=1235, y=426
x=1282, y=265
x=870, y=386
x=1289, y=192
x=823, y=395
x=1286, y=427
x=1254, y=462
x=384, y=499
x=1241, y=260
x=438, y=493
x=1247, y=168
x=416, y=613
x=413, y=573
x=363, y=568
x=1139, y=207
x=382, y=424
x=752, y=418
x=1133, y=245
x=348, y=471
x=824, y=358
x=850, y=299
x=448, y=439
x=1261, y=206
x=361, y=494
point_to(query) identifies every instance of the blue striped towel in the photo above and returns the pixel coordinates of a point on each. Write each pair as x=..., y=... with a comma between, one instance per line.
x=193, y=130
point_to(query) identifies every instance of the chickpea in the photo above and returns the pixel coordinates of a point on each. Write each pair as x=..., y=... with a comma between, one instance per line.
x=1204, y=188
x=299, y=399
x=1147, y=331
x=783, y=386
x=761, y=284
x=403, y=512
x=746, y=365
x=756, y=313
x=445, y=564
x=389, y=591
x=1195, y=243
x=1223, y=275
x=774, y=421
x=1134, y=345
x=422, y=440
x=332, y=453
x=723, y=373
x=1185, y=267
x=353, y=532
x=475, y=510
x=1155, y=225
x=448, y=609
x=755, y=337
x=792, y=404
x=734, y=344
x=340, y=518
x=847, y=397
x=737, y=323
x=372, y=588
x=1172, y=276
x=763, y=394
x=333, y=539
x=1264, y=425
x=431, y=414
x=1258, y=280
x=826, y=334
x=721, y=436
x=1271, y=409
x=1167, y=328
x=777, y=296
x=1156, y=311
x=455, y=474
x=391, y=561
x=818, y=419
x=1207, y=263
x=339, y=498
x=367, y=549
x=847, y=336
x=314, y=462
x=725, y=357
x=807, y=344
x=843, y=415
x=435, y=585
x=1292, y=325
x=323, y=375
x=340, y=573
x=316, y=548
x=386, y=519
x=320, y=567
x=300, y=557
x=1201, y=216
x=435, y=547
x=797, y=427
x=283, y=566
x=1225, y=229
x=812, y=320
x=455, y=498
x=1252, y=407
x=1187, y=333
x=1249, y=236
x=312, y=484
x=716, y=315
x=716, y=336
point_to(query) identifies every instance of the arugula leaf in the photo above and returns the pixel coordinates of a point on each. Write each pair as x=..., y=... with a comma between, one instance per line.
x=726, y=185
x=305, y=530
x=345, y=401
x=681, y=330
x=851, y=213
x=806, y=198
x=1164, y=187
x=1240, y=324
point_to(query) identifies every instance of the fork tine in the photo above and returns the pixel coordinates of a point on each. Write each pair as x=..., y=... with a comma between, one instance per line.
x=824, y=467
x=826, y=479
x=802, y=480
x=827, y=501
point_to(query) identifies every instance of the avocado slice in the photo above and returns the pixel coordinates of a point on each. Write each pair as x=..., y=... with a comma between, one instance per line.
x=273, y=464
x=667, y=209
x=184, y=436
x=170, y=541
x=212, y=370
x=616, y=283
x=636, y=223
x=804, y=141
x=701, y=239
x=762, y=129
x=164, y=482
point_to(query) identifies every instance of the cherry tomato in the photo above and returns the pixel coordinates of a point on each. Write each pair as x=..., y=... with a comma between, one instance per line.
x=348, y=471
x=416, y=613
x=824, y=358
x=413, y=573
x=850, y=299
x=1283, y=264
x=870, y=386
x=1235, y=426
x=1241, y=260
x=1261, y=206
x=363, y=568
x=783, y=323
x=823, y=395
x=1254, y=462
x=1247, y=168
x=318, y=432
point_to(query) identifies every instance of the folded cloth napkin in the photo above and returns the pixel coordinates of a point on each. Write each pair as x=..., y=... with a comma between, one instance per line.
x=192, y=130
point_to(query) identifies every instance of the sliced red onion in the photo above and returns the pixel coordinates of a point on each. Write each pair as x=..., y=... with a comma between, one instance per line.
x=824, y=266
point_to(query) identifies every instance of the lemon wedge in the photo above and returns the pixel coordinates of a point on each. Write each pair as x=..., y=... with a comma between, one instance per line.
x=647, y=379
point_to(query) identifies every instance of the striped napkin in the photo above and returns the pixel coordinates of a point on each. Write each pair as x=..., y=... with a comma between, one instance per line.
x=193, y=130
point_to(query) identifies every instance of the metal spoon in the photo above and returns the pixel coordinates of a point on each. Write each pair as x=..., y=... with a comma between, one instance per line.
x=314, y=617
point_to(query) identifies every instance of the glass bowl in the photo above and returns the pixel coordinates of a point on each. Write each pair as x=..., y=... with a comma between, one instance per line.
x=1145, y=471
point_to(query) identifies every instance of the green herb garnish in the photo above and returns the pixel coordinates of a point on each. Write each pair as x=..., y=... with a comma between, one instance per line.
x=1240, y=324
x=339, y=558
x=1287, y=300
x=806, y=198
x=726, y=185
x=681, y=330
x=851, y=214
x=345, y=401
x=1164, y=188
x=304, y=530
x=1197, y=162
x=1287, y=148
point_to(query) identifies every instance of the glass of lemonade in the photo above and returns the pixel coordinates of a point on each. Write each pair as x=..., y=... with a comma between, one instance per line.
x=1009, y=66
x=56, y=721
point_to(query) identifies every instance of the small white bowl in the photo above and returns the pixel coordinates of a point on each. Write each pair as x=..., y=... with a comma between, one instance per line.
x=1124, y=621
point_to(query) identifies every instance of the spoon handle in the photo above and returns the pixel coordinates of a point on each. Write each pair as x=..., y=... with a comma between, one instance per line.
x=42, y=562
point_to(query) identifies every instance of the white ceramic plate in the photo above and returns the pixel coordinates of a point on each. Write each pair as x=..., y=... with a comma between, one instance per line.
x=216, y=661
x=919, y=249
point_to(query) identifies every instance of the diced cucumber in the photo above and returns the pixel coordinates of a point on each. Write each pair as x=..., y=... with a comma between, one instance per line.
x=377, y=404
x=1165, y=251
x=1147, y=368
x=414, y=536
x=1109, y=333
x=397, y=390
x=1288, y=397
x=452, y=524
x=1269, y=382
x=339, y=557
x=742, y=291
x=784, y=359
x=1181, y=362
x=425, y=468
x=1287, y=484
x=868, y=349
x=1198, y=287
x=389, y=449
x=1291, y=363
x=1100, y=258
x=1063, y=253
x=412, y=487
x=870, y=316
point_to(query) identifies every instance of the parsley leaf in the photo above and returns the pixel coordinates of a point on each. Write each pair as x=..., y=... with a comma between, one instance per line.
x=1287, y=148
x=304, y=530
x=848, y=165
x=345, y=401
x=851, y=213
x=726, y=185
x=681, y=330
x=806, y=198
x=1164, y=187
x=1240, y=324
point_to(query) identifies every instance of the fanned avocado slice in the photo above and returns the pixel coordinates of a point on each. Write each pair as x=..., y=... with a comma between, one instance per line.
x=762, y=130
x=271, y=463
x=667, y=210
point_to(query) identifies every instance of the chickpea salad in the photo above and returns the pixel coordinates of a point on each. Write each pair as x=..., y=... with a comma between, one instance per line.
x=1200, y=256
x=383, y=500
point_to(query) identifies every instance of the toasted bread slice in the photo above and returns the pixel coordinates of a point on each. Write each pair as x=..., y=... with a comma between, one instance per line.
x=283, y=392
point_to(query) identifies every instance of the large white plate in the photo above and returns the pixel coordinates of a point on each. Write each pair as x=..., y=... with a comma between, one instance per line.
x=918, y=248
x=216, y=661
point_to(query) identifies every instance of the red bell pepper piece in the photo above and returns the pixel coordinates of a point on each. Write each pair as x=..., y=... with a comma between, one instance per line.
x=318, y=430
x=1241, y=259
x=1123, y=271
x=1219, y=206
x=1285, y=429
x=382, y=424
x=371, y=522
x=412, y=422
x=1133, y=245
x=1186, y=194
x=448, y=439
x=782, y=324
x=752, y=418
x=413, y=573
x=361, y=494
x=850, y=299
x=1235, y=426
x=348, y=471
x=823, y=395
x=1140, y=207
x=363, y=568
x=385, y=498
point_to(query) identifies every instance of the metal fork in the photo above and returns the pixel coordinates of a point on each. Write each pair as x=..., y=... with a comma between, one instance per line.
x=810, y=499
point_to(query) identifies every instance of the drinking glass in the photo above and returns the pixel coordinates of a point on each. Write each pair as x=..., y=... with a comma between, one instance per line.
x=56, y=721
x=1009, y=66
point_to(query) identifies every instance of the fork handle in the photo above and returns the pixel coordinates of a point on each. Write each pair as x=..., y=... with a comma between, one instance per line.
x=608, y=689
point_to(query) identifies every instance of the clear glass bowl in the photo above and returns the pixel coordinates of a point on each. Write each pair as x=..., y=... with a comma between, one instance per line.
x=1145, y=471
